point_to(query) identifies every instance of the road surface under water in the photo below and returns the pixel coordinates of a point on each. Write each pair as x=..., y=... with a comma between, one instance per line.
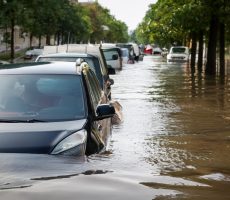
x=174, y=143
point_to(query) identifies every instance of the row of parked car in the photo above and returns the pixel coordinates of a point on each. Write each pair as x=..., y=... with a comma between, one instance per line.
x=116, y=55
x=61, y=104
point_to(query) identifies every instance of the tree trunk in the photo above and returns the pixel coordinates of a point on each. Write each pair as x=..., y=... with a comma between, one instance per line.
x=12, y=40
x=212, y=43
x=193, y=51
x=58, y=38
x=201, y=51
x=47, y=39
x=222, y=46
x=39, y=40
x=31, y=39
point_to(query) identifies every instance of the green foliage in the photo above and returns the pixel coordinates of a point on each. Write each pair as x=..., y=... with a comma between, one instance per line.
x=104, y=26
x=63, y=19
x=172, y=21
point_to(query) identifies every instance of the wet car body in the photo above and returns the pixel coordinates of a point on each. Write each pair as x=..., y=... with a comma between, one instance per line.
x=73, y=115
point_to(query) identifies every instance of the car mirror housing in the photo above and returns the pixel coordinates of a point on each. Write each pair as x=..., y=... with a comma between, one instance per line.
x=105, y=111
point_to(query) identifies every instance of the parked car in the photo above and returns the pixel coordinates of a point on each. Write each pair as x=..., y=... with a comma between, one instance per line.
x=33, y=53
x=178, y=54
x=148, y=50
x=136, y=50
x=2, y=62
x=113, y=57
x=53, y=108
x=157, y=51
x=125, y=55
x=81, y=48
x=164, y=52
x=93, y=61
x=130, y=50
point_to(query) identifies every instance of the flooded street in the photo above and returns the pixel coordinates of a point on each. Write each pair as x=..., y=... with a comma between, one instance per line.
x=174, y=143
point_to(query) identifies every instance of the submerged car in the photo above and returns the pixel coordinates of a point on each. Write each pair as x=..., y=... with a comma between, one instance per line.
x=178, y=54
x=33, y=53
x=94, y=62
x=53, y=108
x=130, y=49
x=125, y=55
x=113, y=56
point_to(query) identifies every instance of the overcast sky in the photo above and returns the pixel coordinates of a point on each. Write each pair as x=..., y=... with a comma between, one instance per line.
x=129, y=11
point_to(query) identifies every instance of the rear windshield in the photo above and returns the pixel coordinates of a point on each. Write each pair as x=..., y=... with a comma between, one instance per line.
x=179, y=50
x=125, y=52
x=41, y=97
x=110, y=55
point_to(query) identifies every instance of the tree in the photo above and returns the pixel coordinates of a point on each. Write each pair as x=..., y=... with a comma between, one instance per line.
x=171, y=22
x=104, y=26
x=10, y=16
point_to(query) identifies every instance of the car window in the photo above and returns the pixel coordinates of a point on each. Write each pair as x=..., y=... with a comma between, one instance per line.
x=43, y=97
x=93, y=88
x=109, y=54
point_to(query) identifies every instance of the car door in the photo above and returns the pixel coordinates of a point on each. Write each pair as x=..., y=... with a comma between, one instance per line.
x=101, y=129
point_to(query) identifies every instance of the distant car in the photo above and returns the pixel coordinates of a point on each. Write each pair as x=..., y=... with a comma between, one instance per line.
x=130, y=49
x=164, y=52
x=125, y=55
x=136, y=50
x=178, y=54
x=53, y=108
x=148, y=50
x=157, y=51
x=2, y=62
x=113, y=57
x=93, y=61
x=33, y=53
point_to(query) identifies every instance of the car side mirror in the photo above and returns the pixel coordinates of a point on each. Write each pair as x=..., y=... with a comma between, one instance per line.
x=104, y=111
x=111, y=70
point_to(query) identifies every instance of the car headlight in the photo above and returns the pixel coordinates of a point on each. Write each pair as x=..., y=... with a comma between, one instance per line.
x=74, y=144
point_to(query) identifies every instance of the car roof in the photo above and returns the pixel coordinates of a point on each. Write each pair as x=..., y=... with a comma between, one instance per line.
x=40, y=68
x=179, y=47
x=67, y=54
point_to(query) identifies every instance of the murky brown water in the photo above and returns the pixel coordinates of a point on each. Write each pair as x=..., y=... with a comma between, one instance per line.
x=174, y=143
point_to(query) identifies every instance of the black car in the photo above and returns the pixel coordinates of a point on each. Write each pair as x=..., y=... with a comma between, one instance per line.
x=53, y=108
x=101, y=71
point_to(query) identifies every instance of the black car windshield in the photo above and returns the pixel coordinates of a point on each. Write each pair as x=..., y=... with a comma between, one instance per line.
x=41, y=98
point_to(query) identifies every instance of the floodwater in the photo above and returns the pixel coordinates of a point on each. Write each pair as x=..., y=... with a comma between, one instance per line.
x=173, y=143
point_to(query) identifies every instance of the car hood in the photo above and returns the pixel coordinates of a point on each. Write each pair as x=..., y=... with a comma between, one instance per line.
x=35, y=137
